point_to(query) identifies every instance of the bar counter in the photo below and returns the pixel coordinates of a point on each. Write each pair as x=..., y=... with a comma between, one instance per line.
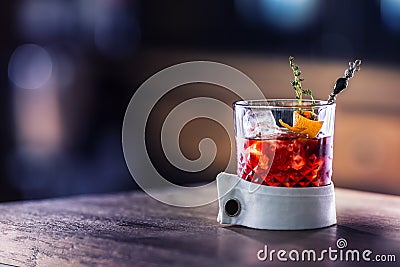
x=132, y=229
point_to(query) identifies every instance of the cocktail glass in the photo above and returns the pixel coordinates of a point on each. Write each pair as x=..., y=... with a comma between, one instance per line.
x=270, y=154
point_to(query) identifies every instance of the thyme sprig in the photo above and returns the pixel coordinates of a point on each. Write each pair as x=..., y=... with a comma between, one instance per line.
x=297, y=86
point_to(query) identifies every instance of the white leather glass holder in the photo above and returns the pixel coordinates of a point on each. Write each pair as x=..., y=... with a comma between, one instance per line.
x=274, y=208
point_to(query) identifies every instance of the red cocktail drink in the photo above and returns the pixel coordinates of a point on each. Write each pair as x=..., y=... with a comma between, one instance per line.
x=288, y=160
x=272, y=152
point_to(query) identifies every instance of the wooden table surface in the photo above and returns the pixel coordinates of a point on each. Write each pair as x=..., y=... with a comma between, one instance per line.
x=131, y=229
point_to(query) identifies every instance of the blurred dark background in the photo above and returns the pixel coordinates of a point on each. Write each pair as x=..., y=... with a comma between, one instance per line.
x=70, y=67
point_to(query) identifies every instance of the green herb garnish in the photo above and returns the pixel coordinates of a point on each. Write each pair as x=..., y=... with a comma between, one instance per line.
x=296, y=83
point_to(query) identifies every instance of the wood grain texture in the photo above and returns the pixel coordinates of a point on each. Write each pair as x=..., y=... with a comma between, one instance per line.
x=131, y=229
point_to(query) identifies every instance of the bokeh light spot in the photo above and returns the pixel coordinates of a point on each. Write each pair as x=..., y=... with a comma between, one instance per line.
x=390, y=14
x=288, y=14
x=30, y=66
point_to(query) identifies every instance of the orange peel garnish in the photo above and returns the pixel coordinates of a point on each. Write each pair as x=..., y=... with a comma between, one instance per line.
x=303, y=125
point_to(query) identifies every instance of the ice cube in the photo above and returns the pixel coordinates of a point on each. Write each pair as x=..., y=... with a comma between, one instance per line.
x=259, y=124
x=298, y=162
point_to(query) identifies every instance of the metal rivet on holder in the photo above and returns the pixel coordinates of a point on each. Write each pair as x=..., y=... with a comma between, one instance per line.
x=232, y=207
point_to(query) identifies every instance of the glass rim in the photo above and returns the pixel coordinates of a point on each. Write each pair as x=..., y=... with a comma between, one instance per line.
x=268, y=103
